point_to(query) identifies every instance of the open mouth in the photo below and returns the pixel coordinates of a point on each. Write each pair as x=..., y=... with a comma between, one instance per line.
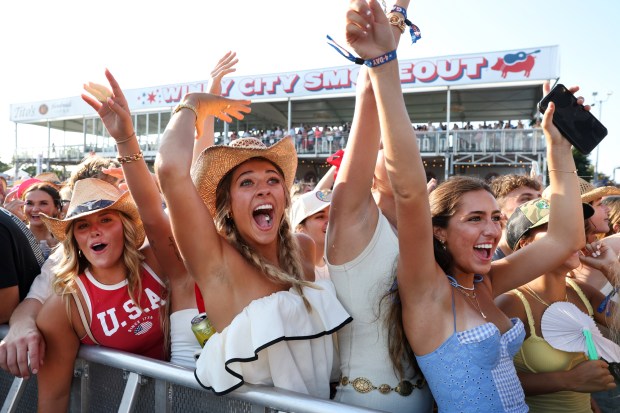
x=484, y=251
x=263, y=216
x=98, y=247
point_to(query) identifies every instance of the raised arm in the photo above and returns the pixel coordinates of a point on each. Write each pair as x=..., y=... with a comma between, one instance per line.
x=565, y=234
x=368, y=33
x=115, y=114
x=223, y=67
x=192, y=224
x=354, y=213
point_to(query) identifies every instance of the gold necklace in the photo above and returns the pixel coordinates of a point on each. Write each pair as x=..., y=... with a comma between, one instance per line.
x=474, y=302
x=533, y=293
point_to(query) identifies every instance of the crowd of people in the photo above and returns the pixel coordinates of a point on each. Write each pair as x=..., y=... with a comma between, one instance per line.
x=375, y=287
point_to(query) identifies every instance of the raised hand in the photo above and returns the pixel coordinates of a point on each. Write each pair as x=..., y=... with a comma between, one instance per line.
x=368, y=31
x=603, y=258
x=222, y=108
x=111, y=106
x=552, y=134
x=224, y=66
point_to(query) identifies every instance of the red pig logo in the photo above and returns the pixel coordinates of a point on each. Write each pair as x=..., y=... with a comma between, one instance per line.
x=515, y=63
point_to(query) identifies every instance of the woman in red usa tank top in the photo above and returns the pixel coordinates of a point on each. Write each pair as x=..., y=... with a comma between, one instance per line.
x=107, y=290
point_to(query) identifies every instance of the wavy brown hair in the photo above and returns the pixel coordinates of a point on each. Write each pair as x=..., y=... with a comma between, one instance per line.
x=444, y=202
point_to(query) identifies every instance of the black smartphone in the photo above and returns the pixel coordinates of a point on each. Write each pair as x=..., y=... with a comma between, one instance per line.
x=577, y=125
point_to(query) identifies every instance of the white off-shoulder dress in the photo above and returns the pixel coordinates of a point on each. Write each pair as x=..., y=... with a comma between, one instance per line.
x=276, y=341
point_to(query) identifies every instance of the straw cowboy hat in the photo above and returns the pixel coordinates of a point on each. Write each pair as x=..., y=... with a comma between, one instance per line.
x=90, y=196
x=590, y=193
x=216, y=161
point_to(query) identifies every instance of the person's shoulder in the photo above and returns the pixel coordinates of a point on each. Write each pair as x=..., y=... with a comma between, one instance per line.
x=511, y=305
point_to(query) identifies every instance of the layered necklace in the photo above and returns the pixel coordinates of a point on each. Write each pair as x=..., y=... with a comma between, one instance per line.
x=469, y=292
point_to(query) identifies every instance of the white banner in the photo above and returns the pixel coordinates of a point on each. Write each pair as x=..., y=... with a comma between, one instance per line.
x=539, y=63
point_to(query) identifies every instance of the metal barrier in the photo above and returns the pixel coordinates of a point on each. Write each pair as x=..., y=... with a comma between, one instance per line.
x=107, y=380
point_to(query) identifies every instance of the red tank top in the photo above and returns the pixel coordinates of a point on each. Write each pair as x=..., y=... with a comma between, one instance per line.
x=115, y=320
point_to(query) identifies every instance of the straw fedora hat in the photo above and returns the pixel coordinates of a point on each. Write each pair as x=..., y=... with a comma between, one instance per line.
x=217, y=160
x=590, y=193
x=91, y=195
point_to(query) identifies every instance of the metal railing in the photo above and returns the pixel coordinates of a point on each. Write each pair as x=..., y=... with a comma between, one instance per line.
x=108, y=380
x=499, y=141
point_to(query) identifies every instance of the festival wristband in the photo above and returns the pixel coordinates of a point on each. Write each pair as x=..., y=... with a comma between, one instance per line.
x=377, y=61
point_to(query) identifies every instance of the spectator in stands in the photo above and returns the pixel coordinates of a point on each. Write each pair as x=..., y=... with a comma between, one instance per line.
x=378, y=369
x=309, y=215
x=553, y=380
x=462, y=341
x=246, y=261
x=18, y=266
x=511, y=191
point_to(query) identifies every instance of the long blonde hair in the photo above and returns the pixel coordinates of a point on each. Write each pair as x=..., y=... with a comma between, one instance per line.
x=74, y=263
x=289, y=256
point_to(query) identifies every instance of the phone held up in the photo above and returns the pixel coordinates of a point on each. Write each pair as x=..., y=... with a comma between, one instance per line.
x=577, y=125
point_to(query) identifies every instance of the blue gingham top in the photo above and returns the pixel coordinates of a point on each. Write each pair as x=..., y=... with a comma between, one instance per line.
x=472, y=371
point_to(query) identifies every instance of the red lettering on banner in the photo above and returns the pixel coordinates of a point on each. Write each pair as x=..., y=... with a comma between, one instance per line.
x=474, y=66
x=289, y=82
x=336, y=79
x=246, y=87
x=406, y=73
x=313, y=81
x=175, y=93
x=425, y=71
x=449, y=70
x=227, y=84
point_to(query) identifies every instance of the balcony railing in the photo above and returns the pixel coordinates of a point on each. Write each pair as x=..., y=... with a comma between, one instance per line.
x=492, y=141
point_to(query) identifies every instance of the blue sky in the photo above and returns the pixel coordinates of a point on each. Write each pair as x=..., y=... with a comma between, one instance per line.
x=51, y=48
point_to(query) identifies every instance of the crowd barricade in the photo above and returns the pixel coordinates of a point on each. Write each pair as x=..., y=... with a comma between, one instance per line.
x=107, y=380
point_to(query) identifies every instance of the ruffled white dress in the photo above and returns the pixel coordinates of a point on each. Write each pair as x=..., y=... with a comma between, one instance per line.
x=276, y=341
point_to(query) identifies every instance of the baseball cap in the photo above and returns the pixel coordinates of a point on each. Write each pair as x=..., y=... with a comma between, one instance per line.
x=532, y=214
x=309, y=204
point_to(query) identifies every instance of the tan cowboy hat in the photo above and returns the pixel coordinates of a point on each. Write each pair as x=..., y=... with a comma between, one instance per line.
x=49, y=177
x=216, y=161
x=91, y=195
x=590, y=193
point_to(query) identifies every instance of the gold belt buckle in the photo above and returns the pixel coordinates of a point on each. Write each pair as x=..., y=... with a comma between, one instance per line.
x=363, y=385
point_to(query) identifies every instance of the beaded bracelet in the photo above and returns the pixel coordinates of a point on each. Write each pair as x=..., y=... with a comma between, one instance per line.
x=130, y=158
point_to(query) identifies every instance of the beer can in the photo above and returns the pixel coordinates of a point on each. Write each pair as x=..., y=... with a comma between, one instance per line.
x=202, y=328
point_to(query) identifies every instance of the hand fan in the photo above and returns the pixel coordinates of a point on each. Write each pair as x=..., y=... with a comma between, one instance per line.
x=567, y=328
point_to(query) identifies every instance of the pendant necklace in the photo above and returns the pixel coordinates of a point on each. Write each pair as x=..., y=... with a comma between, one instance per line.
x=471, y=297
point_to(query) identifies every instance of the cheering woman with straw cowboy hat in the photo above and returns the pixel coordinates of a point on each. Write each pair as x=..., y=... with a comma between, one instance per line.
x=107, y=290
x=228, y=218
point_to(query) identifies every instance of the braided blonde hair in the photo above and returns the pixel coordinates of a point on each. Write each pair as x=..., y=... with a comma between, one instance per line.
x=289, y=257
